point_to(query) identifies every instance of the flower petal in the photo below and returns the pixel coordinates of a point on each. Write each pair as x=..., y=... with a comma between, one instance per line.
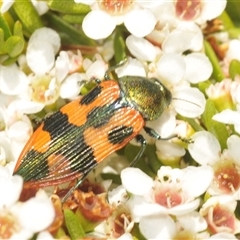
x=233, y=143
x=142, y=48
x=165, y=124
x=135, y=181
x=178, y=41
x=37, y=213
x=205, y=148
x=233, y=51
x=25, y=106
x=193, y=221
x=62, y=66
x=40, y=57
x=45, y=34
x=40, y=6
x=6, y=4
x=165, y=67
x=189, y=102
x=10, y=188
x=133, y=67
x=96, y=70
x=71, y=87
x=157, y=227
x=228, y=117
x=44, y=236
x=211, y=10
x=199, y=68
x=140, y=22
x=192, y=181
x=12, y=80
x=98, y=24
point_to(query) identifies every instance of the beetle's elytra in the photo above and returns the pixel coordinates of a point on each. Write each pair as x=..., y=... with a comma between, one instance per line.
x=72, y=141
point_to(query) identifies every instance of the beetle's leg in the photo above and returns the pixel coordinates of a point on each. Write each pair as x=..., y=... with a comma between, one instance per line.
x=143, y=143
x=79, y=182
x=123, y=62
x=152, y=133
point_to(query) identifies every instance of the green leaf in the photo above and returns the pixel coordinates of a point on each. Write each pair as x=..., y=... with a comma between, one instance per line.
x=119, y=46
x=114, y=177
x=73, y=225
x=68, y=6
x=131, y=152
x=234, y=68
x=234, y=33
x=1, y=41
x=5, y=28
x=217, y=70
x=9, y=61
x=226, y=20
x=233, y=9
x=14, y=46
x=28, y=15
x=17, y=29
x=217, y=128
x=73, y=18
x=60, y=234
x=75, y=36
x=153, y=160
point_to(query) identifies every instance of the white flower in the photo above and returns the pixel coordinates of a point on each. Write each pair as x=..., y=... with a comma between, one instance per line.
x=22, y=219
x=175, y=192
x=177, y=81
x=40, y=6
x=136, y=15
x=6, y=4
x=12, y=80
x=219, y=213
x=199, y=11
x=14, y=134
x=206, y=150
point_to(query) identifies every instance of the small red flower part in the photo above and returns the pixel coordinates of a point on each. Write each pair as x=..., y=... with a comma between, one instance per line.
x=220, y=219
x=116, y=7
x=120, y=222
x=58, y=220
x=169, y=197
x=219, y=214
x=8, y=225
x=188, y=9
x=226, y=176
x=90, y=200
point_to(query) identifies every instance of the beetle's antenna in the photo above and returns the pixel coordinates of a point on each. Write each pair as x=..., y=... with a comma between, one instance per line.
x=187, y=101
x=123, y=62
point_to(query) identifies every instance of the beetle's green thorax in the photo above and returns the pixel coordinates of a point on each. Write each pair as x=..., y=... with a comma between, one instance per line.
x=147, y=95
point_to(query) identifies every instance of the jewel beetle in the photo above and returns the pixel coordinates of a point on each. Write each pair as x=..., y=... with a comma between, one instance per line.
x=72, y=141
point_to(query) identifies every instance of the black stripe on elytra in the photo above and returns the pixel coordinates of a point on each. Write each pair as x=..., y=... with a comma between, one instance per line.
x=119, y=134
x=56, y=124
x=80, y=155
x=91, y=96
x=32, y=166
x=99, y=116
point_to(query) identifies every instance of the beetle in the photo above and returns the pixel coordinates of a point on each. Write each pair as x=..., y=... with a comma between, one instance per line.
x=72, y=141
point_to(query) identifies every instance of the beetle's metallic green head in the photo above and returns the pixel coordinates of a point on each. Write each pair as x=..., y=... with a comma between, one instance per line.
x=148, y=95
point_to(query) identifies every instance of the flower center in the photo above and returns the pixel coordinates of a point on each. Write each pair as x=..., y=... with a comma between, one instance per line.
x=121, y=223
x=227, y=177
x=7, y=226
x=188, y=9
x=116, y=7
x=168, y=198
x=43, y=90
x=220, y=218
